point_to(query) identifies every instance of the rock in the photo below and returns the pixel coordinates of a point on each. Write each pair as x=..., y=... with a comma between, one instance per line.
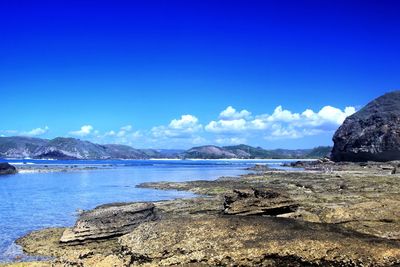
x=379, y=218
x=258, y=202
x=108, y=221
x=297, y=164
x=371, y=134
x=325, y=160
x=6, y=168
x=259, y=168
x=253, y=241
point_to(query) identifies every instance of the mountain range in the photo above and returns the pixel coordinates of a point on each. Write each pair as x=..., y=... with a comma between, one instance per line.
x=72, y=148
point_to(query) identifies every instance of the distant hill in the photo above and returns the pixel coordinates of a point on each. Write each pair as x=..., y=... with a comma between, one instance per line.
x=249, y=152
x=20, y=147
x=209, y=152
x=66, y=148
x=320, y=152
x=72, y=148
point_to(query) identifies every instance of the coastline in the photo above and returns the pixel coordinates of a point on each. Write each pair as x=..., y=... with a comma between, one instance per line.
x=349, y=198
x=35, y=168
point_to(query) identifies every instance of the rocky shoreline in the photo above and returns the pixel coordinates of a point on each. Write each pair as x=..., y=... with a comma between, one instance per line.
x=333, y=215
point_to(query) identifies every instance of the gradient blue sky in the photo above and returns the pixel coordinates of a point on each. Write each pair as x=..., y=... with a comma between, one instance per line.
x=129, y=70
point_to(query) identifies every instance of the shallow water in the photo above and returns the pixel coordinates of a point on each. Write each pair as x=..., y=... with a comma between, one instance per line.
x=31, y=201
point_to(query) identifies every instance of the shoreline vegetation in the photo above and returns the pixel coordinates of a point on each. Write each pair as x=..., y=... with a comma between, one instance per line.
x=330, y=214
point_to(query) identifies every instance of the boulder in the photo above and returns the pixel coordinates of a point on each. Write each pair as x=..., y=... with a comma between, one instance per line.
x=258, y=202
x=371, y=134
x=108, y=221
x=6, y=168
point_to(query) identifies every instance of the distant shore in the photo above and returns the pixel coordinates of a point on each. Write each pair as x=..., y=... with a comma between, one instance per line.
x=45, y=168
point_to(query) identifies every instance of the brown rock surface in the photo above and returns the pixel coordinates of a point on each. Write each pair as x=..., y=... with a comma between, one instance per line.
x=108, y=221
x=258, y=202
x=254, y=241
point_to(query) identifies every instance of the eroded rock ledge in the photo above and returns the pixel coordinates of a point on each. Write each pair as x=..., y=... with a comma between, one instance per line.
x=258, y=202
x=108, y=221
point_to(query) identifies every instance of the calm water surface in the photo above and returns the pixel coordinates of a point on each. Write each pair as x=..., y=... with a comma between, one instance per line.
x=31, y=201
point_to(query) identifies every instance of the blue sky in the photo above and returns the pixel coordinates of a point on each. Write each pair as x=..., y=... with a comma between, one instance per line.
x=182, y=73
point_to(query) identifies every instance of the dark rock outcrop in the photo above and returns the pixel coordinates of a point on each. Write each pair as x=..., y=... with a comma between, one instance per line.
x=371, y=134
x=6, y=168
x=258, y=202
x=108, y=221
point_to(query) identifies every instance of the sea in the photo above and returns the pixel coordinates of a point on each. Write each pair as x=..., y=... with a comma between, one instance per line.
x=32, y=200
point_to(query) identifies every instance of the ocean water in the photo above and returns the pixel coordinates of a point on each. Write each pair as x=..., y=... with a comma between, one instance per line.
x=32, y=201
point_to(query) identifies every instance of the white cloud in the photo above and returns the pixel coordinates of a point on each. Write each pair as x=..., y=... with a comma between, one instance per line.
x=227, y=126
x=282, y=123
x=230, y=127
x=110, y=133
x=37, y=131
x=231, y=141
x=230, y=113
x=34, y=132
x=84, y=131
x=125, y=135
x=127, y=128
x=185, y=122
x=184, y=127
x=283, y=115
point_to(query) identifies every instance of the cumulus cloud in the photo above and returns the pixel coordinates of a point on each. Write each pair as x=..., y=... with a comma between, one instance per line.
x=282, y=123
x=84, y=131
x=185, y=126
x=230, y=113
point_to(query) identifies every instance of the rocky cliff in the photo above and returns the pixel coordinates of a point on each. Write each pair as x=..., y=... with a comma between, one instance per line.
x=371, y=134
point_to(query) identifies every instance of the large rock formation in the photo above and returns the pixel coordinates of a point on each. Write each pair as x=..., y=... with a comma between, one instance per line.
x=6, y=168
x=108, y=221
x=371, y=134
